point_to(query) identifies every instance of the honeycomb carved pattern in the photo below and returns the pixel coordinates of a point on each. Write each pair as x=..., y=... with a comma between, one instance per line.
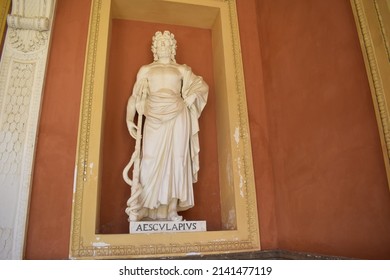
x=22, y=76
x=15, y=117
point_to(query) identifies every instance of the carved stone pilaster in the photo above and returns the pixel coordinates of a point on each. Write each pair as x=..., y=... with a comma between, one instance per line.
x=22, y=72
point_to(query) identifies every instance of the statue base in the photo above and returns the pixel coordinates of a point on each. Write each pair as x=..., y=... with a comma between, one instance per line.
x=166, y=226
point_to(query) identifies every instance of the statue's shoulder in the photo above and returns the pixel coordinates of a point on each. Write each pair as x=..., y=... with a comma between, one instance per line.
x=183, y=68
x=143, y=71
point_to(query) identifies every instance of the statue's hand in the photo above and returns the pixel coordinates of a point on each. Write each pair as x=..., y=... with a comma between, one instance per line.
x=132, y=129
x=189, y=100
x=140, y=107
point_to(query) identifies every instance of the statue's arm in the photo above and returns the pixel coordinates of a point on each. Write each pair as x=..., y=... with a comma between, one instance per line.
x=132, y=102
x=130, y=113
x=195, y=90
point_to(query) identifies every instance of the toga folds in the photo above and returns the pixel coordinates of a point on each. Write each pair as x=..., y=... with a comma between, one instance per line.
x=170, y=148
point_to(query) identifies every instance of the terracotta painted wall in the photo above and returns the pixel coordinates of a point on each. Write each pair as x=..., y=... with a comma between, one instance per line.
x=51, y=198
x=319, y=173
x=258, y=122
x=330, y=184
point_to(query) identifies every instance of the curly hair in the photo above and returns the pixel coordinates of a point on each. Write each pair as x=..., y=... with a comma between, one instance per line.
x=161, y=36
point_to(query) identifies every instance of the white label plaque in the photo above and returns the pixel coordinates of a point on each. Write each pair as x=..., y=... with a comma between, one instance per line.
x=167, y=226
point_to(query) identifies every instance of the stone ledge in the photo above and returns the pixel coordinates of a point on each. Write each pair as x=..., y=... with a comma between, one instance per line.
x=265, y=255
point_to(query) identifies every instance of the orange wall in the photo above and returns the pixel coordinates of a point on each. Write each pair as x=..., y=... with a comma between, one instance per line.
x=320, y=179
x=330, y=184
x=52, y=188
x=258, y=121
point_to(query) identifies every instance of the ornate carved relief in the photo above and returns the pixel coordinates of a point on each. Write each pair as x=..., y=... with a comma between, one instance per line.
x=22, y=72
x=15, y=117
x=28, y=30
x=27, y=40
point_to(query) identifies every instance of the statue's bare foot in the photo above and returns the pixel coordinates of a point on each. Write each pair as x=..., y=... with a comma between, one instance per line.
x=136, y=215
x=142, y=213
x=172, y=211
x=173, y=216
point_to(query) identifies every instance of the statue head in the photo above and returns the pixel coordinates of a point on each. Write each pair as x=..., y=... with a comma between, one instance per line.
x=164, y=44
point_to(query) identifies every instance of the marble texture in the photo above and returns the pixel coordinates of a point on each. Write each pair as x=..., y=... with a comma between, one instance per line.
x=171, y=97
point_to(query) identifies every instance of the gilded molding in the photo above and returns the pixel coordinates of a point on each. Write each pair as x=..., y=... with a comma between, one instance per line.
x=158, y=250
x=82, y=248
x=243, y=120
x=4, y=8
x=370, y=50
x=383, y=30
x=85, y=123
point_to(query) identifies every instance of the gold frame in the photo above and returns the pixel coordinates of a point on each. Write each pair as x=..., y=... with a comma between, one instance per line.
x=4, y=10
x=372, y=19
x=237, y=187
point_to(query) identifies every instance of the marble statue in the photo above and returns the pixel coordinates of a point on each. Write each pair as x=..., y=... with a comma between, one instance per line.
x=171, y=98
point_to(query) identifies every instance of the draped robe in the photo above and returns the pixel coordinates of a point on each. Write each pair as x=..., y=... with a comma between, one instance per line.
x=170, y=147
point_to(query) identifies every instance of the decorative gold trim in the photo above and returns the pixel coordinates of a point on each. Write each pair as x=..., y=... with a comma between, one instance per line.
x=4, y=9
x=244, y=135
x=369, y=26
x=85, y=243
x=85, y=123
x=383, y=30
